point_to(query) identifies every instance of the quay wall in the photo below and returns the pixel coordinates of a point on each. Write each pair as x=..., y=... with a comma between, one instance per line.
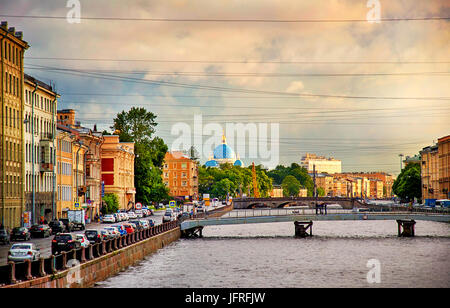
x=86, y=274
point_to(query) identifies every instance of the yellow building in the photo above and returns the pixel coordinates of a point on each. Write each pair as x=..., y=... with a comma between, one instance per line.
x=321, y=164
x=70, y=179
x=429, y=169
x=444, y=167
x=12, y=168
x=118, y=170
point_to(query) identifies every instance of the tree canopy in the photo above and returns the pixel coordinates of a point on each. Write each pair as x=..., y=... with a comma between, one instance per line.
x=408, y=183
x=138, y=125
x=232, y=180
x=301, y=174
x=291, y=186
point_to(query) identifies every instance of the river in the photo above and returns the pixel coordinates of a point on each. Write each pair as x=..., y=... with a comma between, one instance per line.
x=268, y=256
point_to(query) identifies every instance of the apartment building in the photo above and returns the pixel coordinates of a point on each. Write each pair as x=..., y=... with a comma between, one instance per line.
x=180, y=175
x=117, y=169
x=40, y=149
x=12, y=168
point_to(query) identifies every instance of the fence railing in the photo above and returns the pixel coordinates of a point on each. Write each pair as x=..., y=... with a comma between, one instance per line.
x=15, y=272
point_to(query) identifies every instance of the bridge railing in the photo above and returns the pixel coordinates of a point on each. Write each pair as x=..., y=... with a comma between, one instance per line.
x=258, y=212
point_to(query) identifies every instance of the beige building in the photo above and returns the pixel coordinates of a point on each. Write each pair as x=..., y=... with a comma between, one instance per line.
x=40, y=149
x=444, y=167
x=12, y=168
x=321, y=163
x=118, y=170
x=429, y=169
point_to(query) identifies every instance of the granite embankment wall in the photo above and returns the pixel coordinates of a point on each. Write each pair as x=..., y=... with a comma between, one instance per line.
x=94, y=264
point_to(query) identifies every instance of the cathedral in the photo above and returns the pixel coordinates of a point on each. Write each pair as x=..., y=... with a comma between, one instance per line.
x=223, y=154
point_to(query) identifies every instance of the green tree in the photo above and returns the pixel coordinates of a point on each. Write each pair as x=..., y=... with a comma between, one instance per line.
x=112, y=204
x=138, y=125
x=320, y=191
x=408, y=183
x=301, y=174
x=291, y=186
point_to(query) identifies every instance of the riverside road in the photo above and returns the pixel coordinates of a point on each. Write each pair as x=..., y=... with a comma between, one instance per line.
x=44, y=244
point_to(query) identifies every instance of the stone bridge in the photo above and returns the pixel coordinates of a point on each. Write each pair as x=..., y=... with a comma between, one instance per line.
x=248, y=203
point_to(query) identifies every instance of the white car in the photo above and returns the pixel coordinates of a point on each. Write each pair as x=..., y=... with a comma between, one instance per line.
x=168, y=216
x=139, y=213
x=109, y=218
x=83, y=240
x=131, y=215
x=113, y=231
x=145, y=223
x=23, y=251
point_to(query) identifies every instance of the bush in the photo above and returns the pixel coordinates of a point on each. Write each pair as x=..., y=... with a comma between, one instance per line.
x=112, y=204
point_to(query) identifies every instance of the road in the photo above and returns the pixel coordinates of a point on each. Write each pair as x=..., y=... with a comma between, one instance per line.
x=44, y=244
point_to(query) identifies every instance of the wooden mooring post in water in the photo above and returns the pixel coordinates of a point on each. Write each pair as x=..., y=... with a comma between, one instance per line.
x=406, y=228
x=301, y=228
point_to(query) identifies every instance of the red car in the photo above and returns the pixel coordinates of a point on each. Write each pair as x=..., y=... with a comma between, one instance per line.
x=129, y=228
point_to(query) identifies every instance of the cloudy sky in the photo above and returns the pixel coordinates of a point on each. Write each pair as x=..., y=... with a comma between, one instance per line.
x=336, y=85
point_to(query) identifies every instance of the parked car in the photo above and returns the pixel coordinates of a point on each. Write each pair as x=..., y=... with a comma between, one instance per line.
x=138, y=224
x=83, y=240
x=145, y=224
x=64, y=242
x=93, y=236
x=131, y=215
x=40, y=230
x=4, y=236
x=20, y=233
x=114, y=232
x=125, y=216
x=23, y=251
x=168, y=216
x=116, y=217
x=109, y=218
x=106, y=234
x=69, y=225
x=139, y=213
x=121, y=229
x=57, y=226
x=129, y=228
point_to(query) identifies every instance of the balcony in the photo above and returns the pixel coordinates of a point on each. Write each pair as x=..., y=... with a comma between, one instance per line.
x=47, y=136
x=46, y=167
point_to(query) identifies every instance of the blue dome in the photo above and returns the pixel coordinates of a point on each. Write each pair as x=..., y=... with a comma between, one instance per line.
x=238, y=163
x=223, y=151
x=211, y=163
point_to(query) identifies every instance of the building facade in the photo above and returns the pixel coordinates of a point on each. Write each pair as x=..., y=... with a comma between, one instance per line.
x=180, y=175
x=321, y=163
x=429, y=170
x=117, y=169
x=444, y=167
x=12, y=168
x=40, y=149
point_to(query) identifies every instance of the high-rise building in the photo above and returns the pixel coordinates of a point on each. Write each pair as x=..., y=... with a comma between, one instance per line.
x=12, y=168
x=180, y=175
x=321, y=163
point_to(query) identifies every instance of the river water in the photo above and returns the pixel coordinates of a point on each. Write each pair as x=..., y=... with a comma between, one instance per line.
x=268, y=256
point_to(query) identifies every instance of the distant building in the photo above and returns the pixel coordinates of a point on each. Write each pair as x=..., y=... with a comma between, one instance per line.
x=118, y=170
x=321, y=163
x=180, y=175
x=412, y=160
